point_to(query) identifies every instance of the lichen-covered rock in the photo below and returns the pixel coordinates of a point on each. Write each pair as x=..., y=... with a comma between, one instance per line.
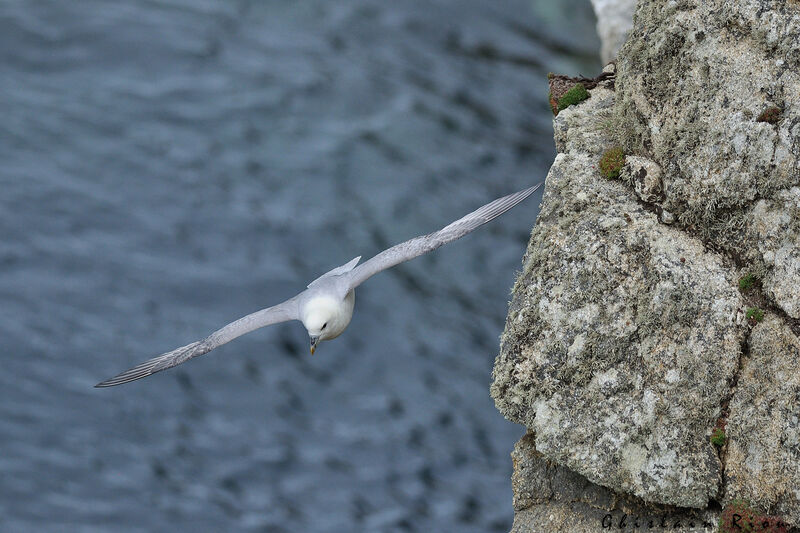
x=763, y=429
x=644, y=176
x=586, y=132
x=695, y=78
x=549, y=497
x=536, y=480
x=623, y=334
x=614, y=21
x=774, y=230
x=626, y=342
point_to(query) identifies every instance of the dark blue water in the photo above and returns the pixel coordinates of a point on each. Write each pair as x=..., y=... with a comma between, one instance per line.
x=168, y=166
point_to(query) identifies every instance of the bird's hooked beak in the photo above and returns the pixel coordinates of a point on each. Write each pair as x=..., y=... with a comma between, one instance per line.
x=314, y=342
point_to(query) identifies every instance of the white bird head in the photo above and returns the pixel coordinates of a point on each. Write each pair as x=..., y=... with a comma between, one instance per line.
x=325, y=318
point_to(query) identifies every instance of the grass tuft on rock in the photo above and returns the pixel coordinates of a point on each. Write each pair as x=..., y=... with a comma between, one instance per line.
x=575, y=95
x=746, y=282
x=611, y=162
x=718, y=437
x=755, y=315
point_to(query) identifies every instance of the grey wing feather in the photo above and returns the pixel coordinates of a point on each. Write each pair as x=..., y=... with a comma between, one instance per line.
x=426, y=243
x=287, y=310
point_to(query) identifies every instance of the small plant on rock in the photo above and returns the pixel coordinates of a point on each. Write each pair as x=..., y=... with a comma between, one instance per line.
x=755, y=315
x=718, y=437
x=736, y=516
x=739, y=516
x=746, y=282
x=553, y=103
x=575, y=95
x=611, y=162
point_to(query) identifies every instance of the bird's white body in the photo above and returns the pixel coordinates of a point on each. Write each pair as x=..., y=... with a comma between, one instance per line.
x=326, y=306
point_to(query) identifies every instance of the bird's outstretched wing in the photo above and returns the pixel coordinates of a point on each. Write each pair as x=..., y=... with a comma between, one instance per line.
x=425, y=243
x=287, y=310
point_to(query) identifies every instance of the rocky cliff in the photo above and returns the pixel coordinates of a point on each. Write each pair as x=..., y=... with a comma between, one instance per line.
x=651, y=346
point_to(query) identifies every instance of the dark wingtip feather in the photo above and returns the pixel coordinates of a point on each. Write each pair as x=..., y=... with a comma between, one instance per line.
x=138, y=372
x=156, y=364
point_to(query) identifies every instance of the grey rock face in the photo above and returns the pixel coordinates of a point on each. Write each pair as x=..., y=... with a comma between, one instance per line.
x=549, y=497
x=694, y=79
x=622, y=336
x=774, y=238
x=763, y=451
x=626, y=341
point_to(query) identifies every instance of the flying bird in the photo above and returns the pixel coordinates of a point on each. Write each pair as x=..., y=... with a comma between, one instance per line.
x=326, y=306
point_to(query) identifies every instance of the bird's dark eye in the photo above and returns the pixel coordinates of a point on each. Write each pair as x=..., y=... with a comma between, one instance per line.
x=323, y=325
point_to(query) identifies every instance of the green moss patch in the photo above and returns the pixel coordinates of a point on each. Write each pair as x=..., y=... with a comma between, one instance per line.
x=575, y=95
x=746, y=282
x=718, y=437
x=611, y=162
